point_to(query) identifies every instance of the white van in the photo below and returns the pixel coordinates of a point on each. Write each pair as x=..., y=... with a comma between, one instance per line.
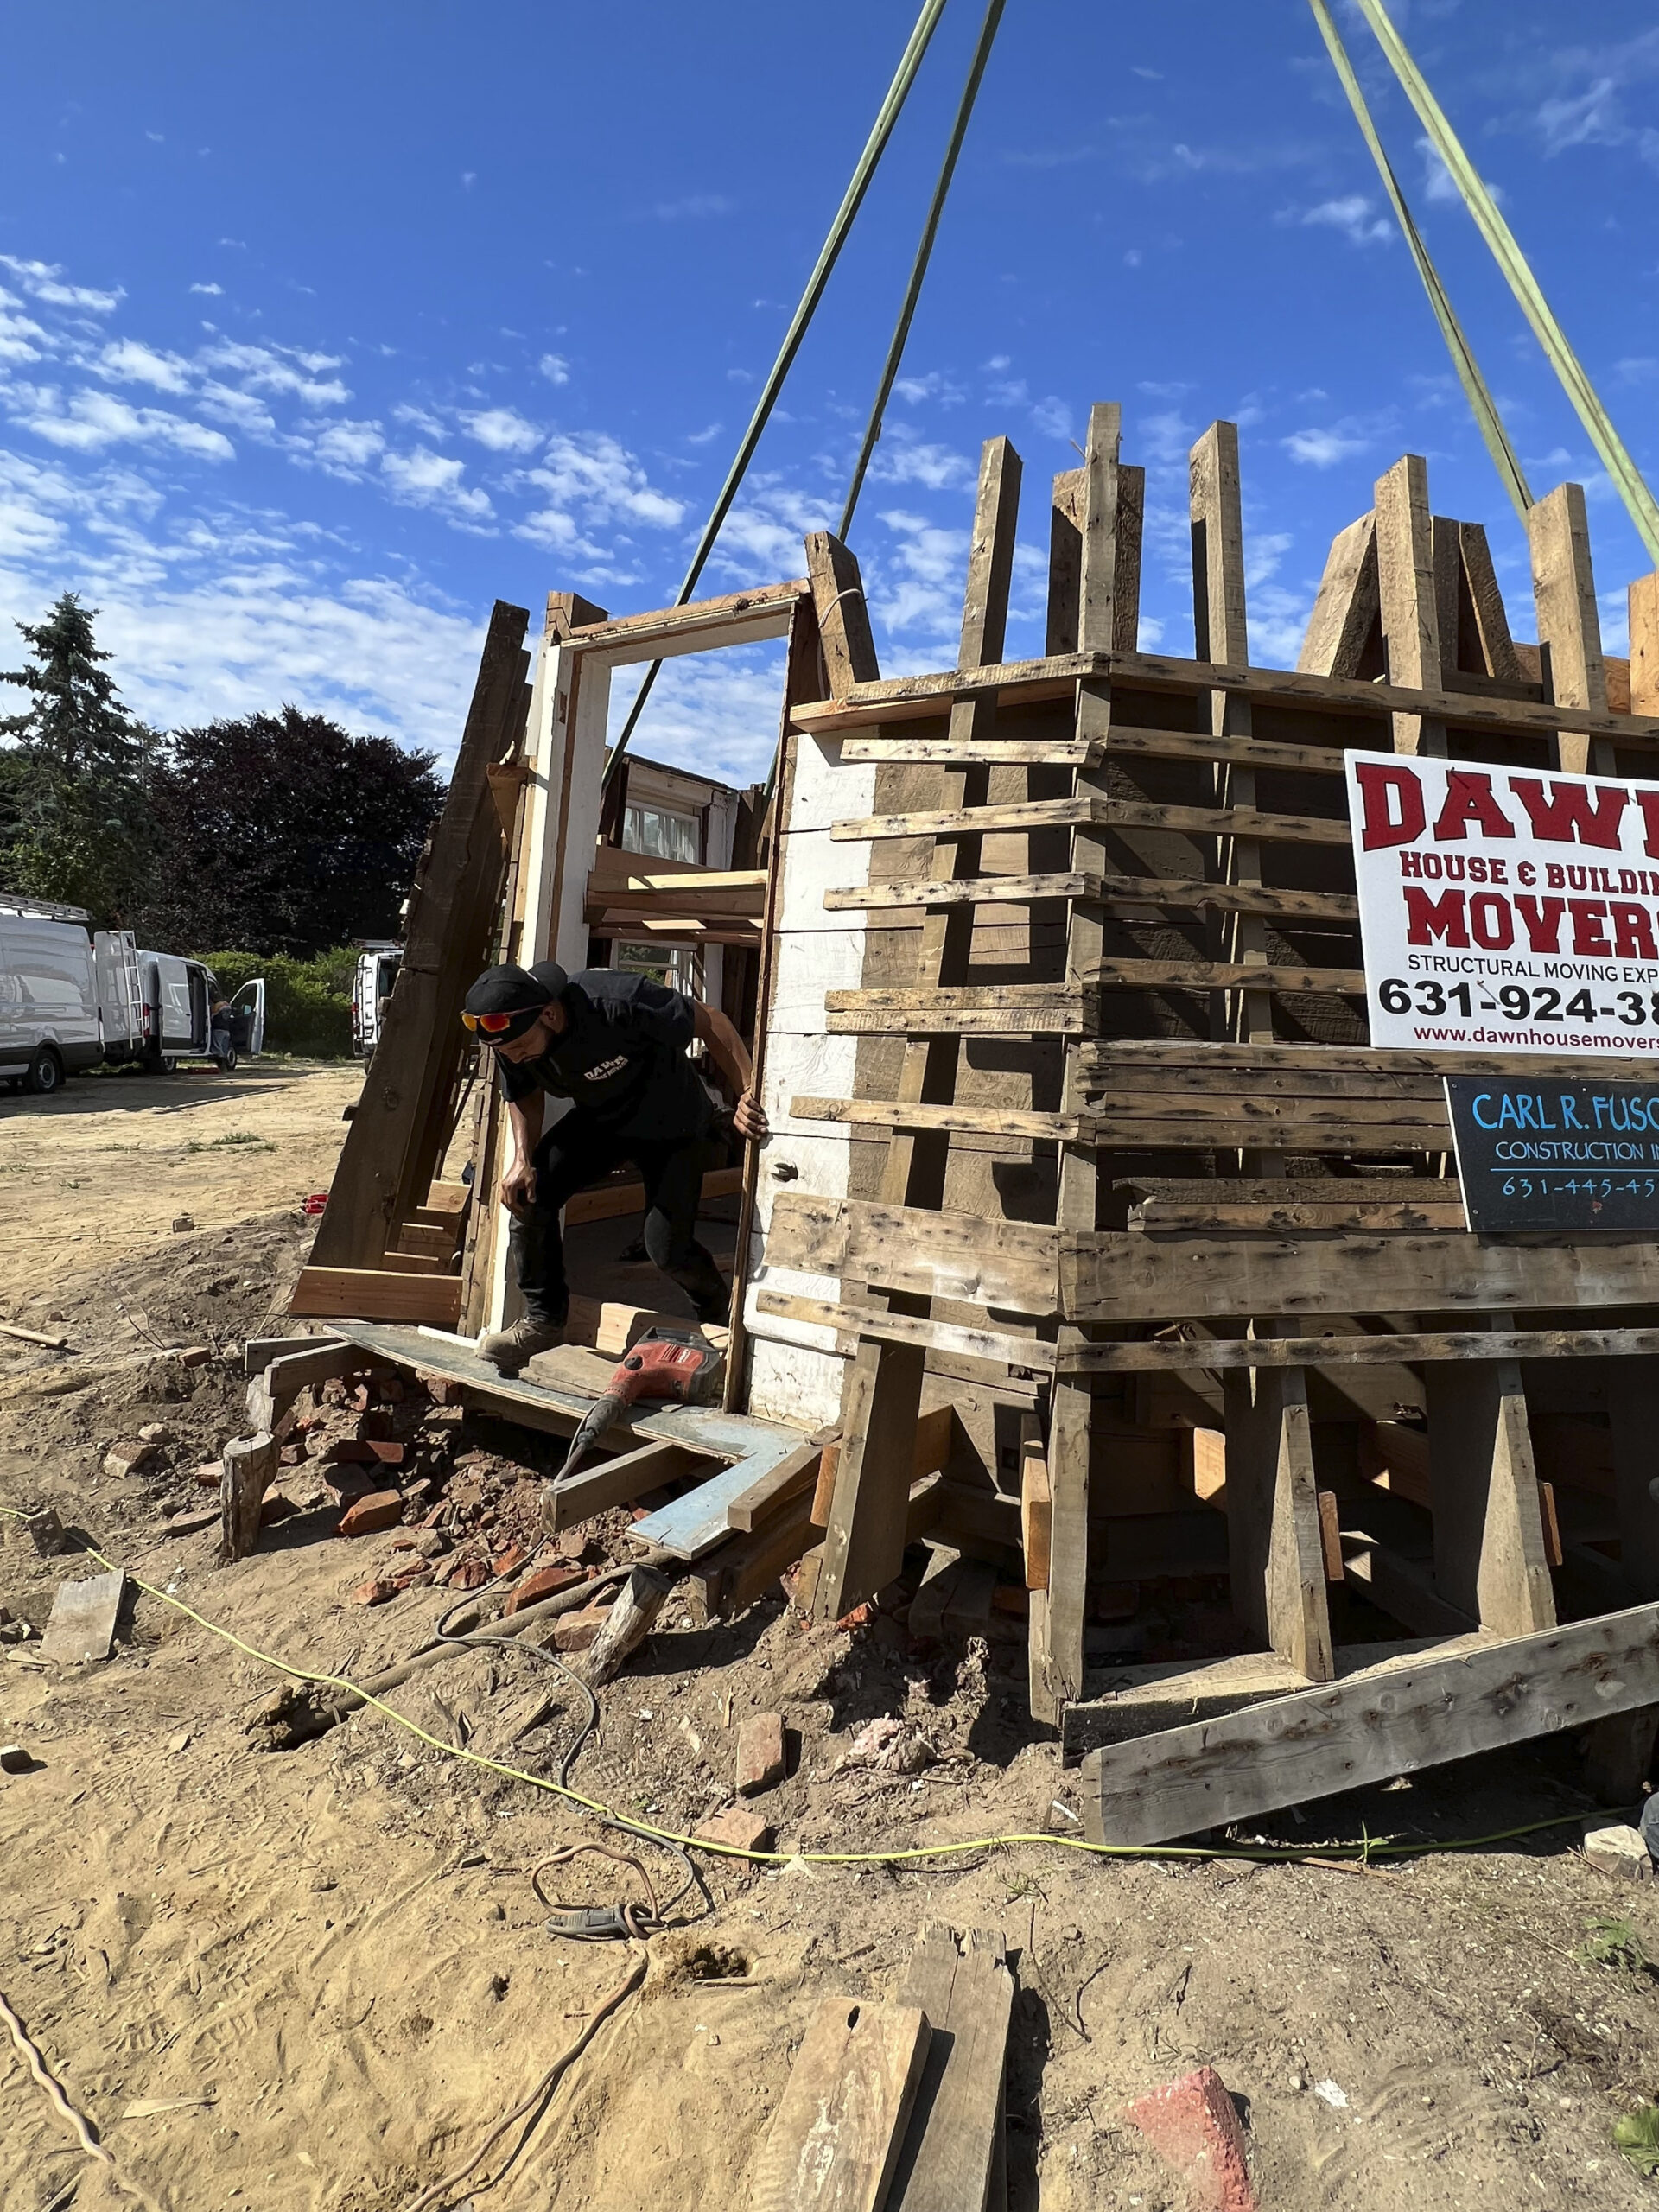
x=49, y=994
x=371, y=986
x=71, y=999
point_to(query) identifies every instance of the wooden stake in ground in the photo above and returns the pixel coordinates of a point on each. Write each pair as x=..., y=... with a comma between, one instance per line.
x=631, y=1621
x=248, y=1469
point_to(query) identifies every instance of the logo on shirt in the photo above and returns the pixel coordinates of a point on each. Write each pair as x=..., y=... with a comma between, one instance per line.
x=606, y=1069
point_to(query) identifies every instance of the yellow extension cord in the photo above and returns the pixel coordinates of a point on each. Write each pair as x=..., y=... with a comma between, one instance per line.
x=1365, y=1851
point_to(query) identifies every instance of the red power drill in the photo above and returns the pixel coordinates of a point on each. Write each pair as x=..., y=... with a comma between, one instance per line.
x=675, y=1363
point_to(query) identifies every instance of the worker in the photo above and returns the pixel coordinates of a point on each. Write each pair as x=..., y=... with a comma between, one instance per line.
x=616, y=1044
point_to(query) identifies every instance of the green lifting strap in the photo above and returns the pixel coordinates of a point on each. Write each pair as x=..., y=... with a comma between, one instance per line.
x=1484, y=408
x=1626, y=477
x=909, y=62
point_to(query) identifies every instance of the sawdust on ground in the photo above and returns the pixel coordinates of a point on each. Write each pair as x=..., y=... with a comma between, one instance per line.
x=322, y=1975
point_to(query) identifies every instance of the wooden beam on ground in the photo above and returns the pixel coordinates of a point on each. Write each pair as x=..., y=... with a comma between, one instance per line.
x=954, y=2159
x=1370, y=1728
x=1276, y=1556
x=835, y=2137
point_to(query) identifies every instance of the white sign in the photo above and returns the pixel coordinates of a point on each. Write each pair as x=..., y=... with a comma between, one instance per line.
x=1506, y=909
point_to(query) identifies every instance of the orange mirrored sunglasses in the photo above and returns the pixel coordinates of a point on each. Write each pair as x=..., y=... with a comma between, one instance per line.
x=490, y=1025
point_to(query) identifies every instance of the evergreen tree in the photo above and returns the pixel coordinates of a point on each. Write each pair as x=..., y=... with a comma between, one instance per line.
x=74, y=815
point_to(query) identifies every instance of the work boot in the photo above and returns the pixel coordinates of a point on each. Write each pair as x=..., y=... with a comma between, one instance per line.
x=510, y=1350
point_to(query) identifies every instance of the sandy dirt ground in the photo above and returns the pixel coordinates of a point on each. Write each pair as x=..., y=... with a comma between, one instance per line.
x=317, y=1978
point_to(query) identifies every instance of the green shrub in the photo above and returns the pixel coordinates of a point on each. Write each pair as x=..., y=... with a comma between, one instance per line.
x=307, y=1003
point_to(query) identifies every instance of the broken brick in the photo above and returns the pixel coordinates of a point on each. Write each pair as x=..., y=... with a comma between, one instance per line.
x=211, y=1475
x=509, y=1561
x=467, y=1574
x=292, y=1455
x=762, y=1756
x=1192, y=2124
x=546, y=1582
x=277, y=1508
x=576, y=1631
x=417, y=1579
x=404, y=1544
x=378, y=1593
x=129, y=1459
x=740, y=1828
x=350, y=1450
x=196, y=1354
x=380, y=1509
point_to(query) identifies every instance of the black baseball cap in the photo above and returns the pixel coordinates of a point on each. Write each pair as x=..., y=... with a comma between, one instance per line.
x=505, y=1001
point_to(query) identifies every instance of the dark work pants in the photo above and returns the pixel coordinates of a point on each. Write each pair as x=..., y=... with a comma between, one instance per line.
x=571, y=1157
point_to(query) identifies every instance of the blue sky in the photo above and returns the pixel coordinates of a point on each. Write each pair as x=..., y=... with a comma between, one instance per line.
x=320, y=328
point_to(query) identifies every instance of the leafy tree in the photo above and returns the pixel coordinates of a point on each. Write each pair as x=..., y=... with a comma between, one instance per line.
x=284, y=833
x=74, y=818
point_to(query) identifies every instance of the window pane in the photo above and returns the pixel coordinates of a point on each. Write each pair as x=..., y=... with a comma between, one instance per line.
x=662, y=836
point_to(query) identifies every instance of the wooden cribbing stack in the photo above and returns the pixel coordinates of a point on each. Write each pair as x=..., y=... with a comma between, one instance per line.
x=1115, y=1150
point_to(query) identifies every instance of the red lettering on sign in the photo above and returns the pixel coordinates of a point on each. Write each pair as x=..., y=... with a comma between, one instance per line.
x=1543, y=920
x=1469, y=798
x=1632, y=931
x=1428, y=918
x=1573, y=813
x=1393, y=802
x=1589, y=925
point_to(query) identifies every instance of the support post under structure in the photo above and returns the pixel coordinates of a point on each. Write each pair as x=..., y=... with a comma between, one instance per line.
x=1489, y=1558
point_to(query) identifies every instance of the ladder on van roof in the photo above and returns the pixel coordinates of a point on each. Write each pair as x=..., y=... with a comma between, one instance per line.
x=12, y=902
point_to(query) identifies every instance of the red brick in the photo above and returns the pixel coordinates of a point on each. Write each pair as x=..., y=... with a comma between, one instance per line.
x=196, y=1354
x=387, y=1453
x=576, y=1631
x=376, y=1592
x=467, y=1574
x=1193, y=2124
x=739, y=1827
x=277, y=1508
x=762, y=1758
x=417, y=1579
x=546, y=1582
x=380, y=1509
x=509, y=1561
x=349, y=1450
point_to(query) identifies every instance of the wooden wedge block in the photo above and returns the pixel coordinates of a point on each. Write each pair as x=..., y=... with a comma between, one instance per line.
x=835, y=2137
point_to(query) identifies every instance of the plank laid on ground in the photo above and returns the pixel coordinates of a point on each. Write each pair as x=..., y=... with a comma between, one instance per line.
x=951, y=2151
x=835, y=2136
x=376, y=1294
x=81, y=1627
x=1348, y=1735
x=744, y=1566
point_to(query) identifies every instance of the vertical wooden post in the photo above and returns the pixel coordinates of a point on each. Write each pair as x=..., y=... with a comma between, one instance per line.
x=1482, y=1487
x=1569, y=628
x=864, y=1542
x=1345, y=619
x=1497, y=650
x=843, y=617
x=1064, y=562
x=1405, y=580
x=1645, y=645
x=1059, y=1616
x=1275, y=1553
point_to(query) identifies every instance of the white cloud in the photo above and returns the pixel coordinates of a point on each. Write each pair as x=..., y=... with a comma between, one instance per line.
x=716, y=714
x=345, y=448
x=1324, y=449
x=702, y=437
x=555, y=368
x=1592, y=119
x=695, y=206
x=433, y=479
x=128, y=361
x=591, y=479
x=41, y=279
x=283, y=370
x=1051, y=418
x=902, y=459
x=761, y=538
x=420, y=418
x=502, y=430
x=913, y=390
x=1166, y=438
x=1353, y=216
x=21, y=339
x=1439, y=183
x=212, y=291
x=89, y=421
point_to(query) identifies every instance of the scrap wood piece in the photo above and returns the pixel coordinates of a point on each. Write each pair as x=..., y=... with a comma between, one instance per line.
x=81, y=1627
x=835, y=2139
x=628, y=1624
x=952, y=2159
x=33, y=1337
x=1193, y=2124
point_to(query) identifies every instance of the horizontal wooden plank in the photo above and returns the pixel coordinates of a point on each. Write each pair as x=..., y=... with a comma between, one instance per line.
x=1121, y=1055
x=762, y=611
x=616, y=875
x=1006, y=1010
x=618, y=1481
x=1021, y=683
x=1000, y=1264
x=789, y=1478
x=1132, y=1080
x=957, y=1337
x=898, y=750
x=1164, y=1214
x=1293, y=1190
x=1173, y=1133
x=1345, y=1735
x=376, y=1294
x=673, y=929
x=1116, y=891
x=1243, y=752
x=956, y=820
x=1204, y=1104
x=1124, y=1277
x=985, y=1121
x=1223, y=822
x=1224, y=976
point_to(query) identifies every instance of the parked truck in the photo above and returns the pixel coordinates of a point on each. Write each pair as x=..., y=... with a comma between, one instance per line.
x=73, y=997
x=376, y=973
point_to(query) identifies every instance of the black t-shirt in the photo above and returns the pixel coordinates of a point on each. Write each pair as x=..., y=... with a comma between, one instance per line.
x=622, y=1059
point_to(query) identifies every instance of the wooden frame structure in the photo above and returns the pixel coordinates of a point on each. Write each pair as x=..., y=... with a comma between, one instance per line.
x=1076, y=1113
